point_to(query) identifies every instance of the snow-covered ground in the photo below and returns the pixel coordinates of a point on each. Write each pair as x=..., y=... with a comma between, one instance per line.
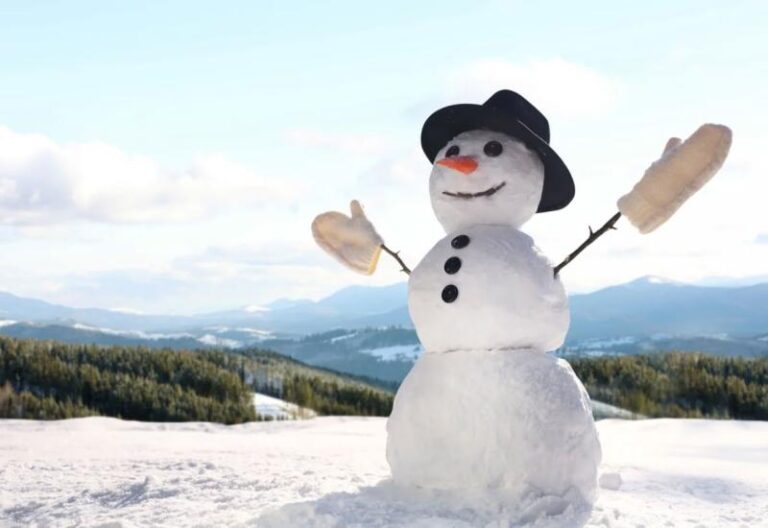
x=277, y=409
x=111, y=473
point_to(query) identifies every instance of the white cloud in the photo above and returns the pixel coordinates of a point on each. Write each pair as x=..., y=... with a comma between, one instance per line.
x=352, y=143
x=217, y=262
x=195, y=284
x=401, y=170
x=43, y=182
x=557, y=87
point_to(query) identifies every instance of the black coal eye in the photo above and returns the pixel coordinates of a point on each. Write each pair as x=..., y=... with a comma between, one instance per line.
x=492, y=149
x=453, y=150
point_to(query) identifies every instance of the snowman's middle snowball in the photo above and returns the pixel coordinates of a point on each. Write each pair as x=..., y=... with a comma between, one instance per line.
x=487, y=287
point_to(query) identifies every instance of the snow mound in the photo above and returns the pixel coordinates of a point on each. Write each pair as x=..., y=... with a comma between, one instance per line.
x=611, y=481
x=271, y=408
x=389, y=505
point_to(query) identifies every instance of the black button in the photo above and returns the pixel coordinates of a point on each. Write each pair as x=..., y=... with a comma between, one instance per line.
x=450, y=293
x=460, y=241
x=452, y=265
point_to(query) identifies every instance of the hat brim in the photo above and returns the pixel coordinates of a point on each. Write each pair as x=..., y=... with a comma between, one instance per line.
x=447, y=123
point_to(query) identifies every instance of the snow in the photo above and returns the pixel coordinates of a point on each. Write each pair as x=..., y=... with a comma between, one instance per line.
x=102, y=471
x=130, y=333
x=604, y=410
x=343, y=337
x=597, y=347
x=395, y=352
x=212, y=340
x=526, y=431
x=605, y=343
x=7, y=322
x=611, y=481
x=256, y=333
x=276, y=409
x=126, y=310
x=654, y=279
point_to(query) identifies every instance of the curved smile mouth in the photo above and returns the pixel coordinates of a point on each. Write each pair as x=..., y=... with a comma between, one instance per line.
x=466, y=196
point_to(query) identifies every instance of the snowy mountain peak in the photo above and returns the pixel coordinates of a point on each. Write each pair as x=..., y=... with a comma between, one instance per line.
x=255, y=308
x=129, y=311
x=655, y=279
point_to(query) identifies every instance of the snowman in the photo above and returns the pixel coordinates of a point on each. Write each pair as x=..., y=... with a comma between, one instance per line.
x=487, y=409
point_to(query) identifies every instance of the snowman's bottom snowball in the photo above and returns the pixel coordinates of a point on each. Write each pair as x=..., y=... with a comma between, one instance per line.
x=511, y=423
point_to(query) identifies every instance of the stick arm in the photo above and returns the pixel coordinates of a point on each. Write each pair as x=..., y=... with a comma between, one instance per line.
x=593, y=235
x=396, y=255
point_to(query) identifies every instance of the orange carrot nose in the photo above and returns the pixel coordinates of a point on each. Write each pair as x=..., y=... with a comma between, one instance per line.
x=463, y=164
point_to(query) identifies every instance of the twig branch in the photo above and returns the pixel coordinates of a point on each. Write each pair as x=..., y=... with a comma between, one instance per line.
x=396, y=255
x=593, y=235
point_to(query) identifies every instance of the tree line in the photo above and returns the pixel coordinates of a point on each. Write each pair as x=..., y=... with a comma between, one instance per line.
x=49, y=380
x=679, y=384
x=330, y=398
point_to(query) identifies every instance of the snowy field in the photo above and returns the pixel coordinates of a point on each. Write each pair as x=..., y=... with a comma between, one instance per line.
x=110, y=473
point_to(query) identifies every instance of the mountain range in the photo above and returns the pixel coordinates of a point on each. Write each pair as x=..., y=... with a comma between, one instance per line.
x=355, y=306
x=646, y=306
x=352, y=330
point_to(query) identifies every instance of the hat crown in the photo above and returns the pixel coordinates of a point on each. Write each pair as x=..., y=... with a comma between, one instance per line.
x=513, y=103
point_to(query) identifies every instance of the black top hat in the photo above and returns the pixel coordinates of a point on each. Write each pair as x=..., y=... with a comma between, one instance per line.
x=510, y=113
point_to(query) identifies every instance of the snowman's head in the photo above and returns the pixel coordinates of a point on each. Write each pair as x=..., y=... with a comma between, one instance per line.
x=485, y=177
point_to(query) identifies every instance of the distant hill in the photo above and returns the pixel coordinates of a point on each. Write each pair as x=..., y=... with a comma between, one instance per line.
x=650, y=306
x=22, y=309
x=383, y=353
x=352, y=307
x=75, y=333
x=367, y=330
x=647, y=306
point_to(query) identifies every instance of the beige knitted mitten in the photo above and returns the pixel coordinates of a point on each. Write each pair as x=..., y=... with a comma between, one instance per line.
x=682, y=170
x=353, y=241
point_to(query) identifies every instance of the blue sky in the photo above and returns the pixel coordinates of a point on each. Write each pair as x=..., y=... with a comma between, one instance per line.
x=169, y=156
